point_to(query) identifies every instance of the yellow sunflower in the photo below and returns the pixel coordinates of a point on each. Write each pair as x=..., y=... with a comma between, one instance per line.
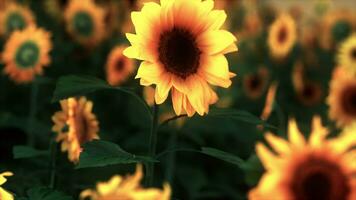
x=26, y=53
x=282, y=36
x=319, y=168
x=5, y=195
x=75, y=125
x=15, y=17
x=119, y=187
x=347, y=54
x=182, y=48
x=118, y=67
x=342, y=98
x=255, y=84
x=85, y=21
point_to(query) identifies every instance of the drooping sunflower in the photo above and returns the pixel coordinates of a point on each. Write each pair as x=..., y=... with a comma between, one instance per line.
x=75, y=125
x=255, y=84
x=26, y=53
x=118, y=66
x=342, y=98
x=119, y=187
x=182, y=48
x=319, y=168
x=85, y=21
x=15, y=17
x=282, y=36
x=5, y=195
x=347, y=54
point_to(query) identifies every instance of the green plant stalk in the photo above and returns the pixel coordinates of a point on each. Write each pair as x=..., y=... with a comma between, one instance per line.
x=32, y=113
x=53, y=163
x=171, y=160
x=152, y=145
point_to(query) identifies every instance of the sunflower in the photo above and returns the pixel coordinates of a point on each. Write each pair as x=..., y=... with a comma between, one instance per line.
x=75, y=125
x=310, y=94
x=55, y=7
x=15, y=17
x=182, y=48
x=347, y=54
x=118, y=67
x=26, y=53
x=342, y=98
x=5, y=195
x=255, y=84
x=320, y=168
x=85, y=21
x=119, y=187
x=335, y=27
x=282, y=36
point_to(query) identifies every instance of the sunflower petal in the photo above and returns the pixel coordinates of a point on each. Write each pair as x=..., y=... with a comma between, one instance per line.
x=214, y=42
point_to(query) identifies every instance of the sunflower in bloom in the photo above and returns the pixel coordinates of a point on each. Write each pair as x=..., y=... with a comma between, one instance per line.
x=15, y=17
x=118, y=66
x=342, y=98
x=5, y=195
x=347, y=54
x=85, y=21
x=301, y=169
x=282, y=36
x=182, y=48
x=26, y=53
x=75, y=125
x=119, y=187
x=255, y=84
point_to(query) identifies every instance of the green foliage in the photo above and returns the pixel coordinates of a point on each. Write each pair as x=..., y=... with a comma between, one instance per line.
x=227, y=157
x=27, y=152
x=43, y=193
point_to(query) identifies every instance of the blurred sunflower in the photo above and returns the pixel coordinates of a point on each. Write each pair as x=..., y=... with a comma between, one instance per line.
x=282, y=36
x=183, y=51
x=55, y=7
x=26, y=53
x=15, y=17
x=119, y=187
x=307, y=170
x=5, y=195
x=85, y=21
x=342, y=98
x=118, y=67
x=255, y=84
x=75, y=125
x=347, y=54
x=335, y=27
x=310, y=94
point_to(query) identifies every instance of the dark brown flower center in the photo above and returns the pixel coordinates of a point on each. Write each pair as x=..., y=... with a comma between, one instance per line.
x=254, y=82
x=348, y=100
x=119, y=65
x=311, y=94
x=353, y=53
x=178, y=52
x=63, y=3
x=82, y=127
x=320, y=179
x=282, y=35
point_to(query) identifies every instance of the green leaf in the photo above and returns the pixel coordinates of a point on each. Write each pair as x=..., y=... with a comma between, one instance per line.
x=43, y=193
x=227, y=157
x=71, y=85
x=27, y=152
x=239, y=115
x=253, y=170
x=99, y=153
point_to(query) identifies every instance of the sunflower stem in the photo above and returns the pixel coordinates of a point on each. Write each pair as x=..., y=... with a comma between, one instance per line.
x=152, y=145
x=171, y=160
x=53, y=163
x=32, y=113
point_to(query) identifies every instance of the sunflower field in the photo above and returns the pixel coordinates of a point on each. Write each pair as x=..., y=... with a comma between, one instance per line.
x=178, y=100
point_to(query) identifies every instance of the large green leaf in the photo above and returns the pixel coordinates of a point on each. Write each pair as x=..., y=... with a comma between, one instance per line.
x=227, y=157
x=253, y=170
x=72, y=85
x=27, y=152
x=43, y=193
x=99, y=153
x=239, y=115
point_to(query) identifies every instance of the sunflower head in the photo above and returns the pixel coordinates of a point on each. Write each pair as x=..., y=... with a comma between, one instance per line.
x=255, y=84
x=118, y=67
x=310, y=94
x=5, y=195
x=75, y=125
x=319, y=168
x=128, y=187
x=282, y=36
x=347, y=54
x=25, y=54
x=182, y=48
x=85, y=21
x=15, y=17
